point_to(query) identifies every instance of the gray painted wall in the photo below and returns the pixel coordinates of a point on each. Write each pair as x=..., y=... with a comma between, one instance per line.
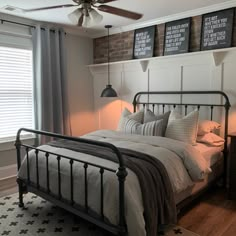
x=80, y=85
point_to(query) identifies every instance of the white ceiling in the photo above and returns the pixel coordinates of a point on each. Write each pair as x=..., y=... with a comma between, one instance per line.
x=151, y=10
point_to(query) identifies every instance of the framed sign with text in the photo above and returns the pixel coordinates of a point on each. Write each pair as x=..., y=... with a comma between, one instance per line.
x=144, y=42
x=177, y=36
x=217, y=29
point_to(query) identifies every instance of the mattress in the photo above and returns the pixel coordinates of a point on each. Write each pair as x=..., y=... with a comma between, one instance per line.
x=214, y=158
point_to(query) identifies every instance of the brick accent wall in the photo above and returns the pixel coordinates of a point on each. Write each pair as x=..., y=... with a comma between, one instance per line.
x=121, y=45
x=195, y=35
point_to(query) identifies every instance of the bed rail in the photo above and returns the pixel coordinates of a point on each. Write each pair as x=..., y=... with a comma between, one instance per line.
x=28, y=185
x=226, y=105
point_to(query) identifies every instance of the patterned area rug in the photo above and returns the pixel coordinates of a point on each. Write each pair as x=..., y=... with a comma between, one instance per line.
x=40, y=217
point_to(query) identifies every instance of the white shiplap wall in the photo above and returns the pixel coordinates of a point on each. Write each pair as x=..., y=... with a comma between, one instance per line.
x=193, y=71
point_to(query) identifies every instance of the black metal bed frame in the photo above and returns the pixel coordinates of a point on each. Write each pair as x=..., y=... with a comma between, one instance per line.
x=26, y=185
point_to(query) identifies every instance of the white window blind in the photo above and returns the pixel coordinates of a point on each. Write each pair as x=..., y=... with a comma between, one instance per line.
x=16, y=91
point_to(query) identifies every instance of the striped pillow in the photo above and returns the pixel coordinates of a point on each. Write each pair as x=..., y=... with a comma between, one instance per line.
x=153, y=128
x=183, y=129
x=150, y=116
x=137, y=116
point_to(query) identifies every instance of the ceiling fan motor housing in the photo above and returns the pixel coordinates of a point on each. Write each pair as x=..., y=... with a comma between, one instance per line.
x=85, y=1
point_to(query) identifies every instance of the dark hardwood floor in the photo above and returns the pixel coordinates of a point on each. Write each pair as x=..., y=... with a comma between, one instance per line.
x=212, y=215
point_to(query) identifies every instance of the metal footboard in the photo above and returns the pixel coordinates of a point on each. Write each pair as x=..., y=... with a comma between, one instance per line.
x=26, y=185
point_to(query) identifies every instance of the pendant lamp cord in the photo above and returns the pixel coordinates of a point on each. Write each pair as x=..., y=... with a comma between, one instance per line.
x=108, y=56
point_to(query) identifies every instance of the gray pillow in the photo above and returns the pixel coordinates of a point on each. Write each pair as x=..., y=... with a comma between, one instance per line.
x=137, y=116
x=150, y=116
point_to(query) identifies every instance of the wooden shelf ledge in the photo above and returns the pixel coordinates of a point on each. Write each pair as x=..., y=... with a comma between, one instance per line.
x=218, y=56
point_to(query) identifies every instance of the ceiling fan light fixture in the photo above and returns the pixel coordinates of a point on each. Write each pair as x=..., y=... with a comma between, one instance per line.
x=96, y=18
x=74, y=16
x=87, y=22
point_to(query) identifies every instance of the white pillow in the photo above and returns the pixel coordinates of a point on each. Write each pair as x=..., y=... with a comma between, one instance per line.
x=183, y=129
x=207, y=126
x=150, y=116
x=153, y=128
x=211, y=139
x=137, y=116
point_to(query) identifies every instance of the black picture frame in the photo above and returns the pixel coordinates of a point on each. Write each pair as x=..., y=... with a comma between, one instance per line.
x=217, y=29
x=177, y=37
x=144, y=39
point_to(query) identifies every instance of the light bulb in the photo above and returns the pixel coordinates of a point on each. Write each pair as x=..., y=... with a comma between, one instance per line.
x=75, y=15
x=87, y=21
x=95, y=17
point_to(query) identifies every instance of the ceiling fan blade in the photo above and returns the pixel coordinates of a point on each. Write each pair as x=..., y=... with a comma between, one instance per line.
x=120, y=12
x=105, y=1
x=80, y=21
x=48, y=8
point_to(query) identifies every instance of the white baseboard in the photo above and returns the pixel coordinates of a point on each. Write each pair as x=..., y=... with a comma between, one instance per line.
x=7, y=184
x=8, y=171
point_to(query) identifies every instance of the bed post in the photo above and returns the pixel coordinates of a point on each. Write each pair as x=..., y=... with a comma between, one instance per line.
x=19, y=182
x=135, y=102
x=225, y=152
x=121, y=174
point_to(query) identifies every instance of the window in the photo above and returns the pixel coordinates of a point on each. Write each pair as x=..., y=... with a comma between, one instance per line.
x=16, y=91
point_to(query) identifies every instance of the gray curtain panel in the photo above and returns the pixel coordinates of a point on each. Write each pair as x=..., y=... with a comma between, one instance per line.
x=50, y=83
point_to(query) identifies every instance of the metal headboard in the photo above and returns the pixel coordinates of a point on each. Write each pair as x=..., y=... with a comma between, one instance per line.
x=225, y=105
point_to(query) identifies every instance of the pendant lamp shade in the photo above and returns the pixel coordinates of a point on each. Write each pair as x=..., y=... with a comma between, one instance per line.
x=108, y=91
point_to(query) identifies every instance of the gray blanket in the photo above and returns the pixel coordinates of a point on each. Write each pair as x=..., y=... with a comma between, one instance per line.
x=158, y=198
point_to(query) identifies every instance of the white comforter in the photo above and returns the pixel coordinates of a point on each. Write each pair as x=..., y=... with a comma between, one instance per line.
x=183, y=162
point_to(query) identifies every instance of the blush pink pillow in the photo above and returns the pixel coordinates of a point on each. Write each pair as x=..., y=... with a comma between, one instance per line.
x=211, y=139
x=207, y=126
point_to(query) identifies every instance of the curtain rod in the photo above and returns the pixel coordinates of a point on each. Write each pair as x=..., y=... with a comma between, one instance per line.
x=17, y=23
x=26, y=25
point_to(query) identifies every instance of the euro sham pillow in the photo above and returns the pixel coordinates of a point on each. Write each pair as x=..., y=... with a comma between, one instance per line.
x=153, y=128
x=137, y=116
x=149, y=116
x=207, y=126
x=183, y=128
x=211, y=139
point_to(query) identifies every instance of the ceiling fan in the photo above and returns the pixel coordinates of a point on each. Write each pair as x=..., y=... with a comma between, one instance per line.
x=86, y=15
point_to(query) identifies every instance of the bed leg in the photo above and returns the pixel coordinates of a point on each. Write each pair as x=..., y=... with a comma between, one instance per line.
x=19, y=182
x=21, y=191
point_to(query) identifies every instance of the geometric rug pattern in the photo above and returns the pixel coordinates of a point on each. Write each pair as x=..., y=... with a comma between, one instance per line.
x=40, y=217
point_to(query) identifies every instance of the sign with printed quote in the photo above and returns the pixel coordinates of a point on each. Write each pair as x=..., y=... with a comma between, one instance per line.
x=144, y=42
x=217, y=29
x=177, y=34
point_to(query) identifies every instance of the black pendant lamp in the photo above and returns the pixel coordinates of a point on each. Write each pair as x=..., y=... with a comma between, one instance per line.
x=108, y=91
